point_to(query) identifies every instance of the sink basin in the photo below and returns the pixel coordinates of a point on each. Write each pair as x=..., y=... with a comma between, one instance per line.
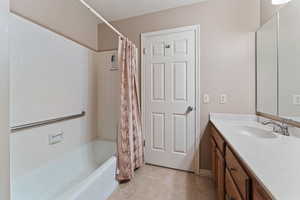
x=257, y=132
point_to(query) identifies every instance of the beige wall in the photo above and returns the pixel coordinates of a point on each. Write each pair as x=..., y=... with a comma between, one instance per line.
x=108, y=89
x=227, y=51
x=4, y=102
x=267, y=10
x=67, y=17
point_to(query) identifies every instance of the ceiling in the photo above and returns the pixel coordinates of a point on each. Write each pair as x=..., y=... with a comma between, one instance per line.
x=114, y=10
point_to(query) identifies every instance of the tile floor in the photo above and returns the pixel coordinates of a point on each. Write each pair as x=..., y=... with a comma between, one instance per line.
x=156, y=183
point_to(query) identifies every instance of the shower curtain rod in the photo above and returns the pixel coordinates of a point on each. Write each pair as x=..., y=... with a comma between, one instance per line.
x=101, y=18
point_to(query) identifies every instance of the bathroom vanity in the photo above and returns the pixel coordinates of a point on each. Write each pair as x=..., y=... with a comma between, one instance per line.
x=251, y=162
x=232, y=177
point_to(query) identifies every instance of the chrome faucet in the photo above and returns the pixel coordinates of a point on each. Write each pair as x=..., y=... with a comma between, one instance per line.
x=282, y=128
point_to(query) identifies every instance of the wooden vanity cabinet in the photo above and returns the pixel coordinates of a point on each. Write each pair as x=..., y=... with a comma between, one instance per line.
x=239, y=175
x=220, y=167
x=259, y=193
x=213, y=158
x=220, y=142
x=232, y=193
x=232, y=178
x=218, y=164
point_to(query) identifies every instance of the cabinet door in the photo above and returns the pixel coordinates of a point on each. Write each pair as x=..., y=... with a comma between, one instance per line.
x=213, y=158
x=220, y=164
x=218, y=139
x=259, y=193
x=232, y=192
x=238, y=174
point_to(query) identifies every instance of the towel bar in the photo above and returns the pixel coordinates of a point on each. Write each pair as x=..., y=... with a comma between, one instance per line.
x=45, y=122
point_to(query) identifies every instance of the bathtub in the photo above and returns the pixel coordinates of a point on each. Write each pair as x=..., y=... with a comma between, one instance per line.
x=87, y=173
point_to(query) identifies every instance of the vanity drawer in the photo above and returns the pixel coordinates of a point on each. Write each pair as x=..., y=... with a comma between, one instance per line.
x=218, y=139
x=230, y=188
x=238, y=174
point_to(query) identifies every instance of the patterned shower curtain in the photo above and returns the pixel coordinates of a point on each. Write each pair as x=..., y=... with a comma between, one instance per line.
x=130, y=140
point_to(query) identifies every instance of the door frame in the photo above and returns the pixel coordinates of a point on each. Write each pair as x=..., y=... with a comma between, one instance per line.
x=196, y=29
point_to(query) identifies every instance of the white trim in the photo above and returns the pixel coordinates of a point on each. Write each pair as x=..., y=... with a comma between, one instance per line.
x=195, y=28
x=198, y=101
x=107, y=52
x=173, y=30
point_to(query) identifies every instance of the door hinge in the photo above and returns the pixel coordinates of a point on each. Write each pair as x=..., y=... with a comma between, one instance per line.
x=144, y=143
x=144, y=51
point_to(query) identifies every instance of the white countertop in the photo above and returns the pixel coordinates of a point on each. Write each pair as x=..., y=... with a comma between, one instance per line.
x=274, y=161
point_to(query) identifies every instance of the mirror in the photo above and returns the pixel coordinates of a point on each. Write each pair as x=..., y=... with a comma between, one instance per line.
x=278, y=64
x=289, y=62
x=266, y=68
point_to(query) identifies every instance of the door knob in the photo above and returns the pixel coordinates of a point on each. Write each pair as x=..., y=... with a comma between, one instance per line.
x=189, y=109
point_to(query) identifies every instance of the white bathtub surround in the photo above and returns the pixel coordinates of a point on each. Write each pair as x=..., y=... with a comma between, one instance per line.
x=273, y=160
x=49, y=74
x=85, y=173
x=39, y=170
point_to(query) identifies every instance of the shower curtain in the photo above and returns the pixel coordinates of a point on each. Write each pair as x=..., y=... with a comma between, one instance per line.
x=130, y=140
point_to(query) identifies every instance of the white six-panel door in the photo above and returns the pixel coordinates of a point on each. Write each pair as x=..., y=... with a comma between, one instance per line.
x=169, y=100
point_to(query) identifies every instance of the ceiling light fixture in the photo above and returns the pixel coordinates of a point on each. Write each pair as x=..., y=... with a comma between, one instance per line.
x=278, y=2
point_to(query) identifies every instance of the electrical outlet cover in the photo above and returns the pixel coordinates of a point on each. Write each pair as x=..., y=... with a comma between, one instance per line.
x=206, y=99
x=223, y=99
x=296, y=99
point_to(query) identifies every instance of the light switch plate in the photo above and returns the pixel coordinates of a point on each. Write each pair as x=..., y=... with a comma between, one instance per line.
x=223, y=99
x=206, y=99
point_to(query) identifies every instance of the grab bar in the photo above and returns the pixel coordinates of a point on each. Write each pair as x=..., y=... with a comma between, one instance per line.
x=45, y=122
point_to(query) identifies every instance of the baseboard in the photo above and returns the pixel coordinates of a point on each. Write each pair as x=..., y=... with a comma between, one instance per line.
x=206, y=172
